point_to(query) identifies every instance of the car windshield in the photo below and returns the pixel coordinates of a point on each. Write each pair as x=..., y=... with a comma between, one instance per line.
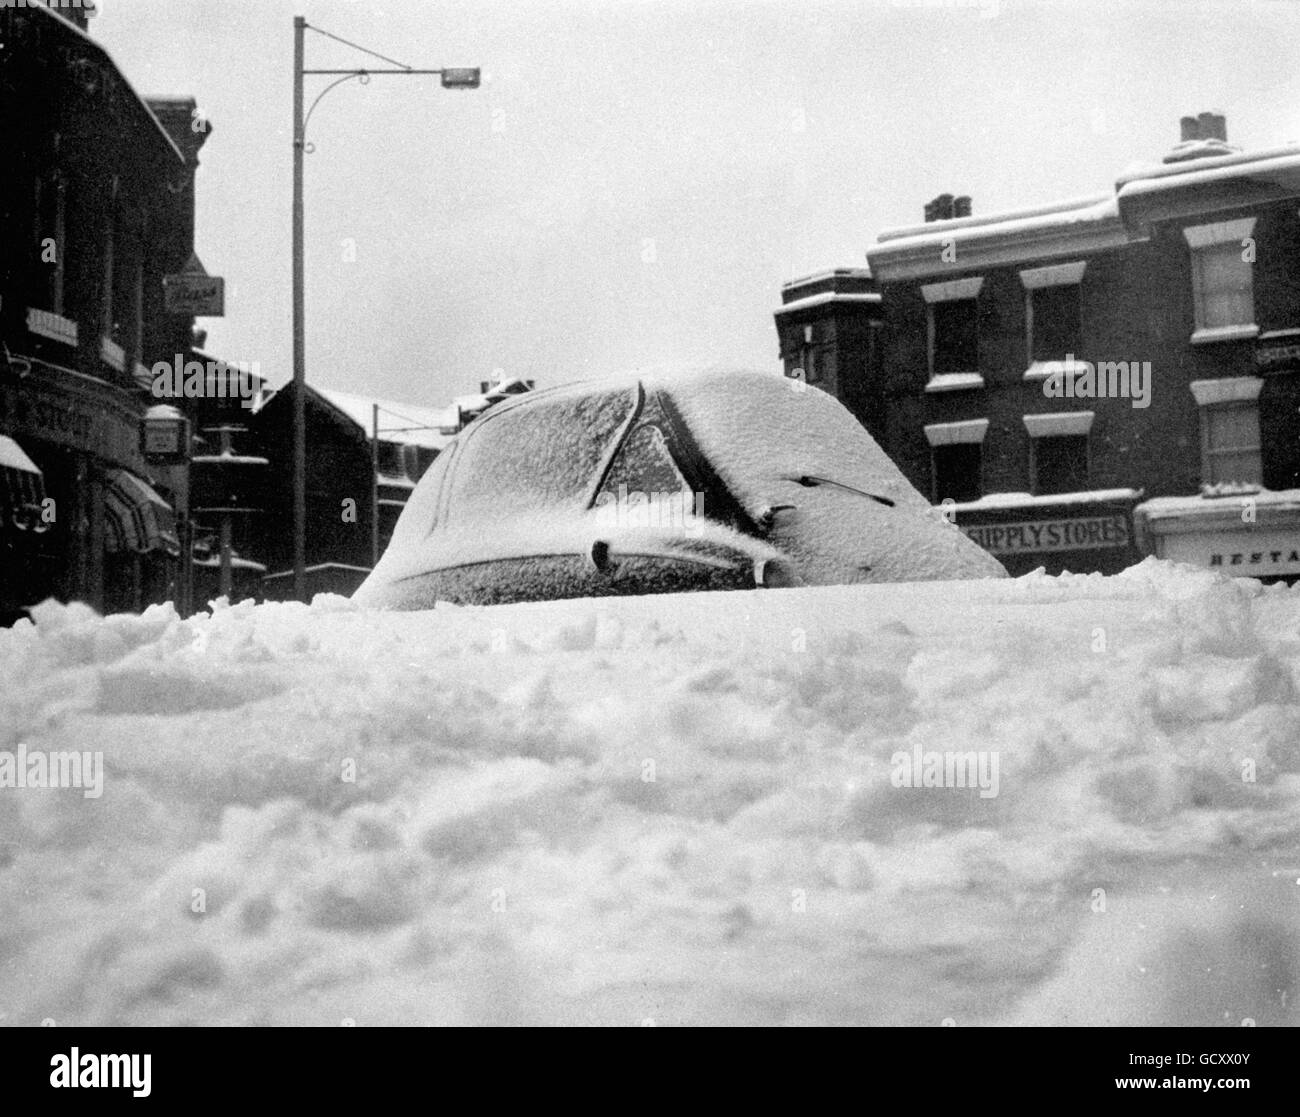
x=539, y=459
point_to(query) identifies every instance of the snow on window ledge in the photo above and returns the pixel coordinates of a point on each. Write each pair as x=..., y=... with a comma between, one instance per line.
x=1059, y=423
x=951, y=434
x=1220, y=232
x=1054, y=275
x=953, y=289
x=954, y=382
x=1043, y=370
x=1210, y=334
x=1230, y=389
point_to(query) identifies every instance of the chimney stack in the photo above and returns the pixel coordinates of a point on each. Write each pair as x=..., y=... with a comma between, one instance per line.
x=1201, y=137
x=1213, y=126
x=945, y=207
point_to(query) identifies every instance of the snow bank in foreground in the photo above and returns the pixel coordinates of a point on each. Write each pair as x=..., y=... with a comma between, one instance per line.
x=670, y=809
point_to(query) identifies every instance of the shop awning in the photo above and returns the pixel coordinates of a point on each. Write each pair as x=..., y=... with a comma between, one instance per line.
x=22, y=487
x=138, y=518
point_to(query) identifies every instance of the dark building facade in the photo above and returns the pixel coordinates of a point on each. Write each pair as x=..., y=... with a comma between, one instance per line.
x=1057, y=376
x=96, y=208
x=356, y=485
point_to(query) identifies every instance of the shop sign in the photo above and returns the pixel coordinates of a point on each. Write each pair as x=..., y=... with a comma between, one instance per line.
x=1240, y=554
x=1084, y=533
x=55, y=412
x=1277, y=354
x=203, y=296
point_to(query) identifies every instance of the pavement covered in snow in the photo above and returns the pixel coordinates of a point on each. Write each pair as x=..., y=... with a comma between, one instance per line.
x=678, y=810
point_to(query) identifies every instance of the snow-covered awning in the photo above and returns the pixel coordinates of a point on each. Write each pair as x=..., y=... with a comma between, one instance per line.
x=138, y=518
x=22, y=486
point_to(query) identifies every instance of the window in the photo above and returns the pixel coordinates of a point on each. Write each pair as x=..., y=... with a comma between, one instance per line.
x=1058, y=451
x=808, y=362
x=1055, y=323
x=391, y=459
x=957, y=472
x=1053, y=314
x=644, y=464
x=1230, y=442
x=111, y=288
x=51, y=209
x=1060, y=464
x=127, y=280
x=1223, y=295
x=806, y=358
x=953, y=326
x=957, y=459
x=956, y=337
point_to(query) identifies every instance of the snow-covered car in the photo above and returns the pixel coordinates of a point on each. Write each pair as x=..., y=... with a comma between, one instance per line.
x=661, y=484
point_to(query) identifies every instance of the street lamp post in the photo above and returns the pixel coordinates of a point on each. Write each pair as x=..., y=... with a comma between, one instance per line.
x=461, y=78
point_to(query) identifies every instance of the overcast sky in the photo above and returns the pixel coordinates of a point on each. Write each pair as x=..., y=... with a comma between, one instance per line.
x=634, y=181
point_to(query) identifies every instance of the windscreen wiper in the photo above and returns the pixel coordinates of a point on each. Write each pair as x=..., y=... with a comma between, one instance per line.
x=811, y=482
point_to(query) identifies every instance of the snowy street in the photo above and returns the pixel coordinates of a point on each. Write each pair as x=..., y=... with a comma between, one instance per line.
x=678, y=810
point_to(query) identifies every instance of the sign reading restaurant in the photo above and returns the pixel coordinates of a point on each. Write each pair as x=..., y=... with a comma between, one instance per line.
x=1034, y=536
x=1240, y=554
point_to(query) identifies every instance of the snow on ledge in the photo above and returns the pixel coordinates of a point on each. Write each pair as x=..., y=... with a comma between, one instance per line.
x=997, y=501
x=954, y=381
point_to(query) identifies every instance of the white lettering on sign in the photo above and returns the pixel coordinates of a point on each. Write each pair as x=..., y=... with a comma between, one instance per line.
x=1032, y=536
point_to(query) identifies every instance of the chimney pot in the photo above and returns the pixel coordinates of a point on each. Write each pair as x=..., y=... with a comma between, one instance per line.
x=1191, y=128
x=1212, y=126
x=961, y=206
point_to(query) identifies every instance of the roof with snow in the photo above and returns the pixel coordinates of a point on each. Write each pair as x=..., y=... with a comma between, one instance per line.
x=406, y=423
x=1039, y=232
x=1143, y=193
x=480, y=401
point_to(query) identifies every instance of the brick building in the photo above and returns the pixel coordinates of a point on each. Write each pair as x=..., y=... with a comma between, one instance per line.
x=356, y=485
x=96, y=208
x=1050, y=371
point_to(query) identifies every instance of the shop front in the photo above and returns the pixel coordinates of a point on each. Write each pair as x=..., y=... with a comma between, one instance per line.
x=83, y=516
x=1242, y=534
x=1063, y=533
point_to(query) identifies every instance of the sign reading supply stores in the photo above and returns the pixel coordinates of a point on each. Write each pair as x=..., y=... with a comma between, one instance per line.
x=1033, y=536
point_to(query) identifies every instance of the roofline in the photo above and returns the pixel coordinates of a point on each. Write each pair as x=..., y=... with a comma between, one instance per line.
x=367, y=434
x=1209, y=162
x=825, y=273
x=824, y=298
x=1068, y=206
x=1284, y=168
x=73, y=29
x=1001, y=245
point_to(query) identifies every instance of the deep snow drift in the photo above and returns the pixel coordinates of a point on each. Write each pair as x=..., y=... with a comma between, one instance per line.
x=673, y=809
